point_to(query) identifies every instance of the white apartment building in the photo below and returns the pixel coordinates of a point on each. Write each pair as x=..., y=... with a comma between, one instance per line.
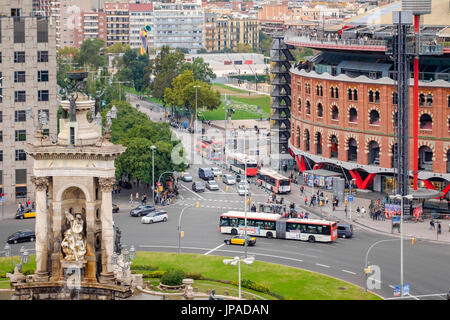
x=179, y=25
x=141, y=15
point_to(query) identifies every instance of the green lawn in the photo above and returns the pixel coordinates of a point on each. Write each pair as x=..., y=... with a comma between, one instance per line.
x=224, y=86
x=288, y=282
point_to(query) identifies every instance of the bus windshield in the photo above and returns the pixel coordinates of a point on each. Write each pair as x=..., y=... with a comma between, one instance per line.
x=285, y=182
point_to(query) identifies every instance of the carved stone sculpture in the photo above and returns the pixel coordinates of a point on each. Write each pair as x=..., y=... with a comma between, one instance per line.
x=74, y=243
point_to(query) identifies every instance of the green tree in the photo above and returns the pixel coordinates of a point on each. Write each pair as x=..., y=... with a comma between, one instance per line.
x=134, y=66
x=91, y=54
x=200, y=69
x=265, y=43
x=243, y=48
x=118, y=47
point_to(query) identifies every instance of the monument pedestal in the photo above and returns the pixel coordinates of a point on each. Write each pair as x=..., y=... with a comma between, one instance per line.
x=41, y=276
x=73, y=271
x=107, y=278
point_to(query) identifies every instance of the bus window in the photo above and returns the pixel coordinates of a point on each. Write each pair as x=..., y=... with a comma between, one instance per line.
x=269, y=225
x=224, y=222
x=251, y=223
x=311, y=229
x=233, y=222
x=326, y=230
x=284, y=182
x=241, y=222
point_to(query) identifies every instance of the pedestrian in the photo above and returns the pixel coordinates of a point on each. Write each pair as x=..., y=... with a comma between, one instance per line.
x=131, y=198
x=326, y=199
x=345, y=210
x=358, y=211
x=439, y=230
x=137, y=197
x=306, y=201
x=302, y=189
x=431, y=224
x=306, y=215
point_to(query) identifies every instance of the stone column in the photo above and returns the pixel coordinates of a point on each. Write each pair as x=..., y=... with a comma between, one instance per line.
x=106, y=185
x=42, y=228
x=57, y=238
x=90, y=270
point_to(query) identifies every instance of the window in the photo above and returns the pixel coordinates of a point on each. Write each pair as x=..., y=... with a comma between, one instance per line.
x=429, y=100
x=1, y=155
x=1, y=136
x=42, y=29
x=19, y=76
x=42, y=56
x=21, y=155
x=21, y=135
x=20, y=115
x=19, y=96
x=308, y=107
x=374, y=118
x=43, y=95
x=355, y=95
x=19, y=56
x=43, y=76
x=394, y=98
x=371, y=97
x=426, y=122
x=334, y=113
x=1, y=116
x=377, y=97
x=350, y=96
x=319, y=110
x=21, y=192
x=19, y=30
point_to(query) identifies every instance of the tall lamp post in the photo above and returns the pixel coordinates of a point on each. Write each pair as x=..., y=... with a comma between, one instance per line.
x=402, y=199
x=195, y=122
x=237, y=260
x=153, y=173
x=197, y=204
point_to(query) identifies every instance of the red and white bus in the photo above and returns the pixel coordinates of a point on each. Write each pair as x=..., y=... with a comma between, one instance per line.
x=271, y=225
x=236, y=162
x=273, y=181
x=210, y=149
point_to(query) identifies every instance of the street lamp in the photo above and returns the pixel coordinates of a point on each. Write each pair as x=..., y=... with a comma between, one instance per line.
x=237, y=260
x=401, y=198
x=351, y=194
x=197, y=204
x=153, y=173
x=195, y=123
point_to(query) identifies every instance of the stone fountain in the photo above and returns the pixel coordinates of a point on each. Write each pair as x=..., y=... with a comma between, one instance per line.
x=74, y=175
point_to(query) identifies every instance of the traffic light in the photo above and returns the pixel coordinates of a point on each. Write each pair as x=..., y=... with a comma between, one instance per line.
x=413, y=240
x=182, y=234
x=226, y=189
x=197, y=204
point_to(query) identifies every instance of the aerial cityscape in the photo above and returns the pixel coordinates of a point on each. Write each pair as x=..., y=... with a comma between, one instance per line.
x=246, y=151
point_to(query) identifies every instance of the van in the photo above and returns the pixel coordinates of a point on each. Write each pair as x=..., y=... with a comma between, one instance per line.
x=205, y=174
x=345, y=230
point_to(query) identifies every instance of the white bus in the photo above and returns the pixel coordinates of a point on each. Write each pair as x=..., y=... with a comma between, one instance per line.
x=273, y=181
x=271, y=225
x=236, y=162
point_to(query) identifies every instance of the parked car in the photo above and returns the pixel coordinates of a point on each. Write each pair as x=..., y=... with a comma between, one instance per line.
x=345, y=230
x=216, y=171
x=240, y=240
x=205, y=174
x=212, y=185
x=27, y=213
x=186, y=177
x=115, y=208
x=242, y=190
x=239, y=178
x=21, y=236
x=155, y=216
x=141, y=210
x=198, y=187
x=228, y=179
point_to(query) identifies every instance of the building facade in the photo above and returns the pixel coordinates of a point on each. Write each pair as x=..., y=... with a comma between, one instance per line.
x=344, y=105
x=92, y=26
x=27, y=83
x=117, y=23
x=179, y=25
x=141, y=15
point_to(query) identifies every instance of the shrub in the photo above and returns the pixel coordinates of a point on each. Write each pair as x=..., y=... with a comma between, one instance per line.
x=195, y=276
x=173, y=277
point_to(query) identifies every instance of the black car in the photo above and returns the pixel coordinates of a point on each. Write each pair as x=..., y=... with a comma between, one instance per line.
x=21, y=236
x=198, y=187
x=141, y=210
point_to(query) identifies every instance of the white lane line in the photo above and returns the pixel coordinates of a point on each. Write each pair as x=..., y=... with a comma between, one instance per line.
x=351, y=272
x=193, y=193
x=391, y=286
x=322, y=265
x=214, y=249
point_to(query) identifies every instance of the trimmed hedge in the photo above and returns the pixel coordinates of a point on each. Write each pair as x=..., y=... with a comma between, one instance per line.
x=173, y=277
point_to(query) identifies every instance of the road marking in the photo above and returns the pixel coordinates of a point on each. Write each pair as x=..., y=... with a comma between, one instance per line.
x=214, y=249
x=348, y=271
x=322, y=265
x=193, y=192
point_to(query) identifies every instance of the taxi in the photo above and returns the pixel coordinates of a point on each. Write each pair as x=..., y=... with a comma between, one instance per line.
x=115, y=208
x=26, y=214
x=240, y=240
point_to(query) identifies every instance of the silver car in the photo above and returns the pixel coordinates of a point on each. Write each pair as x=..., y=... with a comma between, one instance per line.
x=212, y=185
x=242, y=190
x=155, y=216
x=216, y=171
x=228, y=179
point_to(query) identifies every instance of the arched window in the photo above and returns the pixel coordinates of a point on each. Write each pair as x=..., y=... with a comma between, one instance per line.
x=374, y=118
x=374, y=153
x=394, y=159
x=321, y=91
x=336, y=93
x=307, y=140
x=421, y=99
x=299, y=137
x=426, y=122
x=377, y=96
x=425, y=160
x=334, y=113
x=319, y=110
x=299, y=102
x=308, y=107
x=350, y=95
x=429, y=100
x=355, y=95
x=353, y=115
x=332, y=92
x=371, y=96
x=318, y=143
x=318, y=90
x=395, y=119
x=352, y=153
x=448, y=101
x=394, y=98
x=334, y=146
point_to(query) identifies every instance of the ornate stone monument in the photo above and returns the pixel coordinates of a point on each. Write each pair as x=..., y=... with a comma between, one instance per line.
x=74, y=176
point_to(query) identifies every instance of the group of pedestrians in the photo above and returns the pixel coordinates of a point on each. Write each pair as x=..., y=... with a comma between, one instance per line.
x=28, y=205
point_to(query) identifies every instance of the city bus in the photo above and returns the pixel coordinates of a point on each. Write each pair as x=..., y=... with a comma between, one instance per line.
x=210, y=149
x=236, y=162
x=273, y=181
x=271, y=225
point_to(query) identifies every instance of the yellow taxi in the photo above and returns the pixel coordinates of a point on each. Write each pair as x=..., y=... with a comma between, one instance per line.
x=26, y=214
x=115, y=208
x=240, y=240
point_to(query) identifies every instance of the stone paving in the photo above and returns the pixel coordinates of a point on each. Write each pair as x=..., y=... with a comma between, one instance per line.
x=419, y=230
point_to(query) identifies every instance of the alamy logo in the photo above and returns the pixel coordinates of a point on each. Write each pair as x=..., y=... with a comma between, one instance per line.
x=74, y=279
x=374, y=279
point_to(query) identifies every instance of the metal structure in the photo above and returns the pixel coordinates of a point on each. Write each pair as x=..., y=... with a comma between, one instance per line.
x=281, y=58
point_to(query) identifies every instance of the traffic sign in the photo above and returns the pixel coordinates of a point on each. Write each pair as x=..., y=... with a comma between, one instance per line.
x=350, y=198
x=406, y=289
x=397, y=291
x=2, y=199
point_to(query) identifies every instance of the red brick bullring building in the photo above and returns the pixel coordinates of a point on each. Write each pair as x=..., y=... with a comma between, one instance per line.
x=343, y=112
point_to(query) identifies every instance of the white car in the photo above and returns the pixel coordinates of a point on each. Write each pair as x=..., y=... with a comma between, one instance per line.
x=242, y=190
x=229, y=179
x=216, y=171
x=212, y=185
x=186, y=177
x=155, y=216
